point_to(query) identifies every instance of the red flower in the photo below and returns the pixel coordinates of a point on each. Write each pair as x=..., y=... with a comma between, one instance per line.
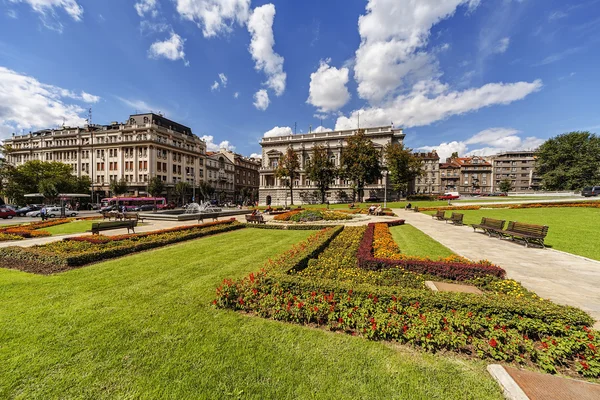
x=429, y=336
x=592, y=347
x=241, y=301
x=585, y=365
x=493, y=343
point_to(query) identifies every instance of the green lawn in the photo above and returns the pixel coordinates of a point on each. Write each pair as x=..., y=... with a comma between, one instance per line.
x=571, y=229
x=143, y=327
x=70, y=227
x=413, y=242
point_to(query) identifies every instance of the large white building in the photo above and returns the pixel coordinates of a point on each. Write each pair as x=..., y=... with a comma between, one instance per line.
x=273, y=190
x=145, y=146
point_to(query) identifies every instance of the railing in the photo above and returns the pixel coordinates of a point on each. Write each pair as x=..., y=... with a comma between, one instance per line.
x=325, y=135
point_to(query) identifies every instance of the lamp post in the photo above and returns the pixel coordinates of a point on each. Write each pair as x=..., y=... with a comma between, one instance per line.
x=385, y=173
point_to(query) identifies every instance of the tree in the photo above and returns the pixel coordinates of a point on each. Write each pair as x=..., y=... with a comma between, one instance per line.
x=569, y=161
x=360, y=162
x=321, y=170
x=454, y=155
x=181, y=188
x=505, y=185
x=48, y=189
x=288, y=169
x=206, y=190
x=118, y=187
x=403, y=166
x=155, y=188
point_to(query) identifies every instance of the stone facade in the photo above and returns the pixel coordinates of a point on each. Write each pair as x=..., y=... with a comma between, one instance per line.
x=273, y=191
x=220, y=172
x=519, y=167
x=145, y=146
x=246, y=176
x=429, y=182
x=475, y=175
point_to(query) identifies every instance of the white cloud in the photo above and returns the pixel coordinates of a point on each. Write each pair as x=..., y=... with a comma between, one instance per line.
x=214, y=16
x=140, y=106
x=156, y=27
x=557, y=15
x=212, y=146
x=171, y=49
x=261, y=99
x=328, y=91
x=260, y=26
x=144, y=7
x=214, y=86
x=44, y=7
x=319, y=129
x=26, y=103
x=279, y=131
x=223, y=79
x=255, y=155
x=236, y=95
x=89, y=98
x=493, y=140
x=12, y=14
x=502, y=45
x=431, y=101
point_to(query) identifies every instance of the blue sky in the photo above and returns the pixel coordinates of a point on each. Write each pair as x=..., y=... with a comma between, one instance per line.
x=472, y=76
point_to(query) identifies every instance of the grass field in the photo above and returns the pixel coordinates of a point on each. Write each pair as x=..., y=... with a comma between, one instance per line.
x=143, y=327
x=574, y=230
x=413, y=242
x=70, y=227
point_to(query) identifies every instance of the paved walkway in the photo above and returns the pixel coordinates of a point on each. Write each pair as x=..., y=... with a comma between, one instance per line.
x=561, y=277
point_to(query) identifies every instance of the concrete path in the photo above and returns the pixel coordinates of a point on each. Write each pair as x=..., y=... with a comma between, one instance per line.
x=561, y=277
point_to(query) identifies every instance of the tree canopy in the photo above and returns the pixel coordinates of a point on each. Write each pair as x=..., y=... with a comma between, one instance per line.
x=288, y=169
x=403, y=166
x=505, y=185
x=181, y=189
x=118, y=187
x=569, y=161
x=156, y=186
x=321, y=170
x=360, y=162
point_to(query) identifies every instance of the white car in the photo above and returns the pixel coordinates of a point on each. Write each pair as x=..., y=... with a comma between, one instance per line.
x=53, y=212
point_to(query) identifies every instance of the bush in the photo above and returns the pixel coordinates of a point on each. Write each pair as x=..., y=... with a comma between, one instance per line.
x=421, y=197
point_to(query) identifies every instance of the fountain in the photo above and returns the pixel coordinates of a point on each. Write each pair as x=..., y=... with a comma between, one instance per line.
x=204, y=207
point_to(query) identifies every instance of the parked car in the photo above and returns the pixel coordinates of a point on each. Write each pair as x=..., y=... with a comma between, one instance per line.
x=371, y=199
x=21, y=212
x=7, y=212
x=590, y=191
x=52, y=212
x=146, y=207
x=449, y=196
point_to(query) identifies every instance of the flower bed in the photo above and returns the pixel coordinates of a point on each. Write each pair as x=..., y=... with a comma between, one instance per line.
x=498, y=325
x=31, y=230
x=459, y=270
x=583, y=204
x=74, y=252
x=312, y=215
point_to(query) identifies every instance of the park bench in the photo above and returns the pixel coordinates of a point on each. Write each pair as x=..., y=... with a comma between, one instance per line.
x=255, y=219
x=529, y=233
x=106, y=226
x=439, y=215
x=455, y=218
x=132, y=216
x=489, y=225
x=201, y=216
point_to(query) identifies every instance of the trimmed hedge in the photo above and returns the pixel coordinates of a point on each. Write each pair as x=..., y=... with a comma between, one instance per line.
x=288, y=227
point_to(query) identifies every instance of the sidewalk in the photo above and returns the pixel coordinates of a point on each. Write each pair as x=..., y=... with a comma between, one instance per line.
x=560, y=277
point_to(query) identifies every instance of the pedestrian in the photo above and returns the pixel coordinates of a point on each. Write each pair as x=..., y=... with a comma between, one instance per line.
x=43, y=212
x=77, y=206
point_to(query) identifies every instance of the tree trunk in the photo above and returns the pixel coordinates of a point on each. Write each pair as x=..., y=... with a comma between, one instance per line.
x=291, y=192
x=322, y=196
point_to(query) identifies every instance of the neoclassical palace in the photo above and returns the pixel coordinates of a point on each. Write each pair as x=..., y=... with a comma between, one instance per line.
x=274, y=191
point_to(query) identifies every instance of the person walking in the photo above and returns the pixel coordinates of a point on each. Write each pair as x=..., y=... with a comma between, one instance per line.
x=43, y=213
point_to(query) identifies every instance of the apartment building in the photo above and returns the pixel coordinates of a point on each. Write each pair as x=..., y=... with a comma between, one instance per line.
x=429, y=182
x=145, y=146
x=449, y=176
x=475, y=175
x=519, y=168
x=273, y=191
x=246, y=176
x=220, y=172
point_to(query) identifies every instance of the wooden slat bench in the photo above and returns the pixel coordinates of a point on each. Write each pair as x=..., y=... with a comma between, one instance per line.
x=132, y=216
x=439, y=215
x=202, y=216
x=256, y=219
x=529, y=233
x=455, y=218
x=107, y=226
x=489, y=225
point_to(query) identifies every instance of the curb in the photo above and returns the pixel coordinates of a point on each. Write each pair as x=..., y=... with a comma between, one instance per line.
x=510, y=388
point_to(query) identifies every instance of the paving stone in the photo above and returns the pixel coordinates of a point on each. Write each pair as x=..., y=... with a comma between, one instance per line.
x=451, y=287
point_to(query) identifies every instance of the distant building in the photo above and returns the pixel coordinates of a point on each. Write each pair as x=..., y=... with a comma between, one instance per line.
x=274, y=191
x=429, y=182
x=449, y=176
x=519, y=168
x=246, y=176
x=144, y=146
x=220, y=175
x=475, y=175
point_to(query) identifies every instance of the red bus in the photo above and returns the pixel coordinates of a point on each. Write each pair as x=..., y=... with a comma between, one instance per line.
x=134, y=203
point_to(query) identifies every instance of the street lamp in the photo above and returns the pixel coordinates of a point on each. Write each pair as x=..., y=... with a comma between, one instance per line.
x=385, y=173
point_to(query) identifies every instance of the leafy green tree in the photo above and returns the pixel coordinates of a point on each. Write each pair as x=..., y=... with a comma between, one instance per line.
x=360, y=162
x=505, y=185
x=403, y=166
x=569, y=161
x=181, y=189
x=206, y=190
x=321, y=170
x=48, y=189
x=454, y=155
x=155, y=188
x=118, y=187
x=288, y=169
